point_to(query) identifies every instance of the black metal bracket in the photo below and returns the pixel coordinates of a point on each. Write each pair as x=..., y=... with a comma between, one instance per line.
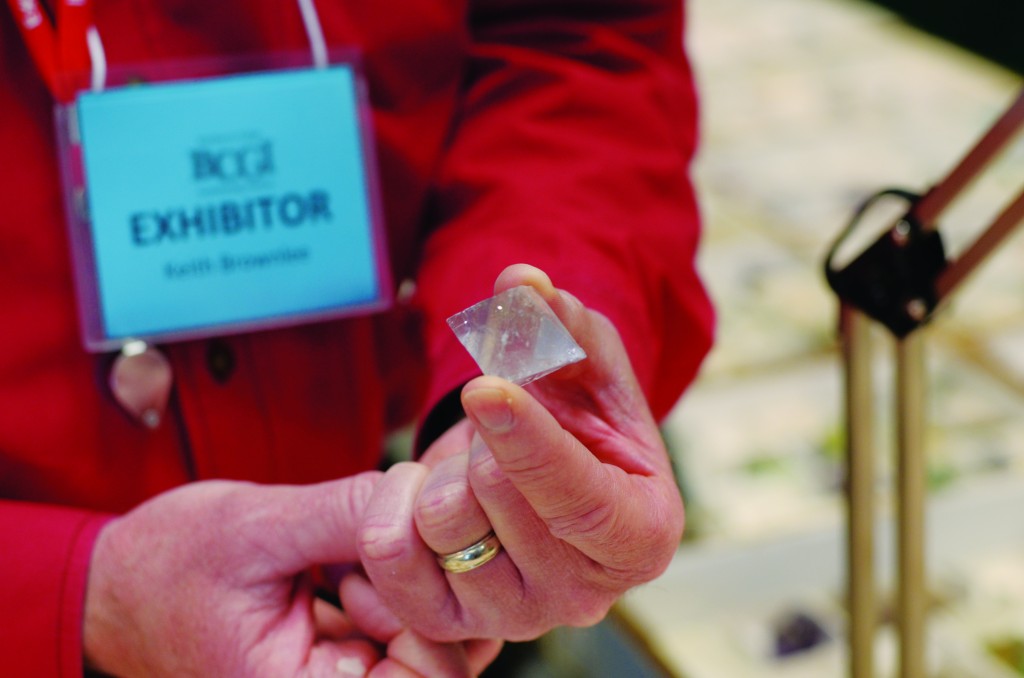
x=894, y=279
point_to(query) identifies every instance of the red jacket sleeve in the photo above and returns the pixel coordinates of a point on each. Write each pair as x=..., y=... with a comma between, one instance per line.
x=571, y=153
x=45, y=553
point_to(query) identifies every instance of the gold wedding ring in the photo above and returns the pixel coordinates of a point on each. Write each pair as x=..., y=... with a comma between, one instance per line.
x=473, y=556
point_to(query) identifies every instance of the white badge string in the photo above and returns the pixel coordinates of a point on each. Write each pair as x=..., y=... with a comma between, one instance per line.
x=98, y=59
x=314, y=31
x=310, y=20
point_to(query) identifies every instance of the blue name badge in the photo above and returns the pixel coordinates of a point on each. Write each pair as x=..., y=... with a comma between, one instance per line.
x=216, y=206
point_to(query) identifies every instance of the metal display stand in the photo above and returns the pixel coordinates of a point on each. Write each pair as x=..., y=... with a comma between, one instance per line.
x=900, y=282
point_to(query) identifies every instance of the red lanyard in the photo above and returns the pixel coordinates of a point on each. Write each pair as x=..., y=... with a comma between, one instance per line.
x=61, y=53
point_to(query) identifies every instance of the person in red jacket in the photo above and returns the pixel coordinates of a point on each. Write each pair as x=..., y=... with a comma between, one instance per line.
x=182, y=541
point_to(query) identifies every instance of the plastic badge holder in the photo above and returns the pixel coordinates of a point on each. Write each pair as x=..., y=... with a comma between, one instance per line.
x=222, y=196
x=516, y=336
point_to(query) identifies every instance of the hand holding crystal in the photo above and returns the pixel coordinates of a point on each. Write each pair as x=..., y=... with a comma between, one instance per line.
x=570, y=474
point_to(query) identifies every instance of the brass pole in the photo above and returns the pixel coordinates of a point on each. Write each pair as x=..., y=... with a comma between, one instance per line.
x=913, y=596
x=855, y=331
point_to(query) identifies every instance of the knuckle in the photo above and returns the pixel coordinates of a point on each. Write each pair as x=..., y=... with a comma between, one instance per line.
x=440, y=503
x=648, y=555
x=596, y=523
x=441, y=628
x=485, y=472
x=590, y=610
x=382, y=542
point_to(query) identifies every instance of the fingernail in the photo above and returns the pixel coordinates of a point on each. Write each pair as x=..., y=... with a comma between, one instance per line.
x=490, y=408
x=350, y=666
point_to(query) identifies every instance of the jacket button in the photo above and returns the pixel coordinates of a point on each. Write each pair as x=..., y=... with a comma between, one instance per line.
x=220, y=360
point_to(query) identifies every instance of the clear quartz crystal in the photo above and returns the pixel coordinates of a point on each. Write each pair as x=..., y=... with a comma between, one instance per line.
x=515, y=335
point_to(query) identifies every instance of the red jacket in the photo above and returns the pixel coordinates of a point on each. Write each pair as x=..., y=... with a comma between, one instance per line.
x=553, y=133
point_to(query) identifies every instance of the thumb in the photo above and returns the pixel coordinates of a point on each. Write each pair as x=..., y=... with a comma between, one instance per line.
x=308, y=525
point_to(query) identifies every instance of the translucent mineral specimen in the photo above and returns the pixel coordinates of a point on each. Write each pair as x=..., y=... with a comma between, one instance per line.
x=515, y=335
